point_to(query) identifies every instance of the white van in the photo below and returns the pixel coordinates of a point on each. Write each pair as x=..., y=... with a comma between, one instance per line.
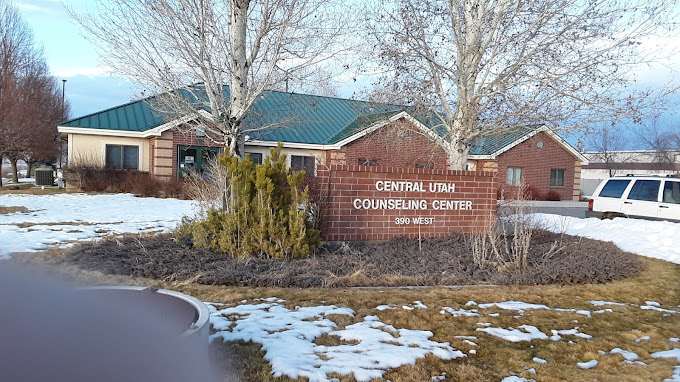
x=651, y=197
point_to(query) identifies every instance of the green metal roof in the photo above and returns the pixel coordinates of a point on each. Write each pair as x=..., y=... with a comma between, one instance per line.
x=487, y=144
x=289, y=117
x=294, y=118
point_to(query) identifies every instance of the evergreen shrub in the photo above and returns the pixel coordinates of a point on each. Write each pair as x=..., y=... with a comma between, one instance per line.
x=266, y=212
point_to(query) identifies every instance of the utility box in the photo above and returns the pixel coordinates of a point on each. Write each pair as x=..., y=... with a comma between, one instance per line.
x=44, y=176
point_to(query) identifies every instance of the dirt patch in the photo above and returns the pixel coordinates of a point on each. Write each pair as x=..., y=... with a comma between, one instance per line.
x=13, y=209
x=398, y=262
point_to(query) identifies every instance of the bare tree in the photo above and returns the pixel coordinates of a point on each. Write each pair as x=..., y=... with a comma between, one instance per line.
x=190, y=50
x=606, y=141
x=17, y=55
x=480, y=65
x=663, y=140
x=30, y=103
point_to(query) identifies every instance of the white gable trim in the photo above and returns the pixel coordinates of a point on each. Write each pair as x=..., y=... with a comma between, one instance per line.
x=338, y=145
x=155, y=132
x=544, y=129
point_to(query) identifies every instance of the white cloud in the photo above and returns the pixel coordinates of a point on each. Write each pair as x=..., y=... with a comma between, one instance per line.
x=41, y=6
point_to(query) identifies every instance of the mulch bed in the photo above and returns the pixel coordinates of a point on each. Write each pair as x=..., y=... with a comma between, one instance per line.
x=398, y=262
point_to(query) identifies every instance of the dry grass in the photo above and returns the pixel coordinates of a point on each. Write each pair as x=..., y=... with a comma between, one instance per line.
x=495, y=358
x=13, y=209
x=32, y=190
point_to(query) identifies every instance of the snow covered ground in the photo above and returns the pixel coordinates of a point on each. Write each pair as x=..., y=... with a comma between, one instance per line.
x=61, y=219
x=657, y=239
x=287, y=337
x=368, y=347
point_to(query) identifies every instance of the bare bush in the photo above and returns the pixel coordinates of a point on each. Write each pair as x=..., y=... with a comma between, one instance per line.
x=506, y=244
x=209, y=188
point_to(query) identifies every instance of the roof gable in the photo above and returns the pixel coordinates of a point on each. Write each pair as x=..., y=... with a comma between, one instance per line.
x=493, y=142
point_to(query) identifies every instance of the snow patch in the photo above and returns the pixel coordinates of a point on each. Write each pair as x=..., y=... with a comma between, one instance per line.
x=61, y=219
x=539, y=360
x=287, y=338
x=604, y=303
x=459, y=312
x=626, y=354
x=656, y=239
x=522, y=333
x=557, y=334
x=673, y=353
x=514, y=378
x=587, y=364
x=513, y=305
x=655, y=306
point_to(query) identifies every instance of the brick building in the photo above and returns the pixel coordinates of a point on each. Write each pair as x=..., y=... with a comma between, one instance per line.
x=321, y=131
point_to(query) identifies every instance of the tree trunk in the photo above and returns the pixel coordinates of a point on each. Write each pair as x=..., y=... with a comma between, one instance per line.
x=29, y=167
x=457, y=156
x=238, y=84
x=15, y=170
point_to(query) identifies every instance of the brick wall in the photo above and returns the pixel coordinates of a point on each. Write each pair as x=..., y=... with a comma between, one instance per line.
x=342, y=185
x=399, y=144
x=536, y=164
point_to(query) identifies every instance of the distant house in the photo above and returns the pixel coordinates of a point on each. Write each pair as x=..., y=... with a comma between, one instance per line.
x=631, y=162
x=319, y=131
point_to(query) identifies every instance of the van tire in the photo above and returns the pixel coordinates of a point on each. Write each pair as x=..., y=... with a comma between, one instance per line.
x=611, y=215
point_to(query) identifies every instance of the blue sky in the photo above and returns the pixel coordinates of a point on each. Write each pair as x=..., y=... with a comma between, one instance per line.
x=70, y=56
x=90, y=87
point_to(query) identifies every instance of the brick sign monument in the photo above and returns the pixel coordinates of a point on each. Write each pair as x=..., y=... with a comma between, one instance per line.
x=379, y=203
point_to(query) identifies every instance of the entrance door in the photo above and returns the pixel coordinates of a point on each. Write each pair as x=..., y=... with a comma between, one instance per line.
x=194, y=159
x=669, y=208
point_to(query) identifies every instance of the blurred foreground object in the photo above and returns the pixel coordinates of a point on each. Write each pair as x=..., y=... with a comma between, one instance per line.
x=52, y=332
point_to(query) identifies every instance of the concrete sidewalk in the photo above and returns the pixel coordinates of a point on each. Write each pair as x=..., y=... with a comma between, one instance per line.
x=564, y=207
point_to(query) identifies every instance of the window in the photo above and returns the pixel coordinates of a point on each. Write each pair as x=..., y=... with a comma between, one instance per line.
x=514, y=176
x=255, y=157
x=122, y=157
x=368, y=162
x=424, y=165
x=556, y=177
x=647, y=190
x=304, y=163
x=614, y=188
x=671, y=192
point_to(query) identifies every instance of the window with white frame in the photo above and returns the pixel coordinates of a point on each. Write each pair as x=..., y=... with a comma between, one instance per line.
x=556, y=177
x=514, y=176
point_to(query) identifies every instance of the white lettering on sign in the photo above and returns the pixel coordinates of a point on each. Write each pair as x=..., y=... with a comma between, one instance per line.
x=410, y=204
x=390, y=204
x=408, y=186
x=451, y=204
x=415, y=221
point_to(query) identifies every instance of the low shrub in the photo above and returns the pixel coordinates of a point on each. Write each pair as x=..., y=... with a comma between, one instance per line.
x=265, y=213
x=552, y=196
x=396, y=262
x=97, y=179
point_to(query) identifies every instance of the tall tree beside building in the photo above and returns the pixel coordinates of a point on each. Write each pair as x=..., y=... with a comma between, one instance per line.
x=249, y=45
x=30, y=103
x=481, y=65
x=607, y=142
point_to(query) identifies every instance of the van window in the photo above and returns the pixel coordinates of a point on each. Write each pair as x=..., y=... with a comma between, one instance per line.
x=614, y=188
x=646, y=190
x=671, y=192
